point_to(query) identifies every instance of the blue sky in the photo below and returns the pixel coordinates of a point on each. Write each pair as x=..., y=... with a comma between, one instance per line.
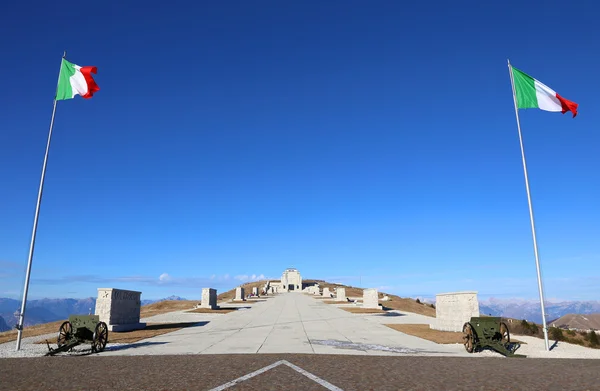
x=369, y=143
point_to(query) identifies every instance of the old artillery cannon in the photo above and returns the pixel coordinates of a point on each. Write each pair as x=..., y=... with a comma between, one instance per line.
x=489, y=332
x=80, y=329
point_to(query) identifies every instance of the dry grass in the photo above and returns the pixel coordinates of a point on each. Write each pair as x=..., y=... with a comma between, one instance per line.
x=31, y=331
x=210, y=311
x=230, y=294
x=423, y=331
x=151, y=330
x=336, y=302
x=360, y=310
x=408, y=305
x=163, y=307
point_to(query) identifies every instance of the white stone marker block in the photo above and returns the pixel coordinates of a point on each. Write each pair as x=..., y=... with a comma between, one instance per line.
x=453, y=309
x=255, y=291
x=340, y=294
x=326, y=292
x=371, y=298
x=209, y=298
x=239, y=294
x=119, y=309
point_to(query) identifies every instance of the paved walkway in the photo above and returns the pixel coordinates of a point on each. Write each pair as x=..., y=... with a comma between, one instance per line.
x=290, y=323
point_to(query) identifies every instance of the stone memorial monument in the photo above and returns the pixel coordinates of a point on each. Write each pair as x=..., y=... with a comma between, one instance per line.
x=119, y=309
x=371, y=298
x=326, y=292
x=453, y=310
x=209, y=298
x=340, y=294
x=239, y=294
x=255, y=291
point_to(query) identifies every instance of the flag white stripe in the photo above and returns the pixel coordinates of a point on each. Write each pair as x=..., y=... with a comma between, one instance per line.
x=546, y=97
x=78, y=83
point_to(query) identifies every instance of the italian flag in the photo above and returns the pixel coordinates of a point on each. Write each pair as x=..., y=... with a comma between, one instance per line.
x=75, y=80
x=532, y=93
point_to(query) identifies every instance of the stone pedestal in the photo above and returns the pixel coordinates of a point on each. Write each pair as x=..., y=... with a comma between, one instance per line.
x=239, y=294
x=209, y=298
x=371, y=298
x=326, y=292
x=453, y=309
x=119, y=309
x=255, y=291
x=340, y=294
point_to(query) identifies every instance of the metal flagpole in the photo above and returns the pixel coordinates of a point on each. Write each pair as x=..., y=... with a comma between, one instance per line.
x=535, y=246
x=19, y=326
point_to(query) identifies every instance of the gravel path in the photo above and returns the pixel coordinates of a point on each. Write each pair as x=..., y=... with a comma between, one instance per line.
x=206, y=372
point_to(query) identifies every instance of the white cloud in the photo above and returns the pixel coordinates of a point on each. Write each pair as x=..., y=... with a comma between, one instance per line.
x=253, y=277
x=213, y=276
x=164, y=277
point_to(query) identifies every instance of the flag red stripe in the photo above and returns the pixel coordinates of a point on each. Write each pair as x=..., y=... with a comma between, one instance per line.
x=567, y=105
x=92, y=86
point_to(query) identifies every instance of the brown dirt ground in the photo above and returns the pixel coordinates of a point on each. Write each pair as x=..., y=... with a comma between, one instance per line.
x=163, y=307
x=437, y=336
x=215, y=311
x=359, y=310
x=151, y=330
x=423, y=331
x=335, y=302
x=408, y=305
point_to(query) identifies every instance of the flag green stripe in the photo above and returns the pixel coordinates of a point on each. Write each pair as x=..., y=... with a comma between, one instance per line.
x=64, y=89
x=525, y=90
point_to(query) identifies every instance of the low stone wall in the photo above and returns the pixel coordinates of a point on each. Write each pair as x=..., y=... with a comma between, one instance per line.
x=119, y=309
x=453, y=309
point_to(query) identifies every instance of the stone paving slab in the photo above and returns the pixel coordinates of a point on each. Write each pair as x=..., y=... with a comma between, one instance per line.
x=290, y=323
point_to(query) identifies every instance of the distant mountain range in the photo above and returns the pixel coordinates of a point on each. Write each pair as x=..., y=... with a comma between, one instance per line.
x=530, y=309
x=3, y=325
x=50, y=310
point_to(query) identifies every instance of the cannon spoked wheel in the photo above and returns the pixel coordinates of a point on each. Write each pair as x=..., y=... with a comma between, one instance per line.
x=100, y=337
x=505, y=333
x=469, y=337
x=65, y=332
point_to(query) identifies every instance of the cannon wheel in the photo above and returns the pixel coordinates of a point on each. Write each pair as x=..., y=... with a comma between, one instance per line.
x=100, y=337
x=505, y=333
x=469, y=337
x=65, y=332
